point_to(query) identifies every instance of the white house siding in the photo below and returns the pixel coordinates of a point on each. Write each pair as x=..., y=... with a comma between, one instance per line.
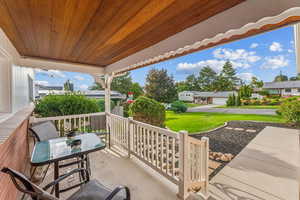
x=22, y=87
x=294, y=92
x=5, y=86
x=219, y=101
x=186, y=96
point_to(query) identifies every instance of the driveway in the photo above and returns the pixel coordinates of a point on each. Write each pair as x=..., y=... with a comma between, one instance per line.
x=212, y=108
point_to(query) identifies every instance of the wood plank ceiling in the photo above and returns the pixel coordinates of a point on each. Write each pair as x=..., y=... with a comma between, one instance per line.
x=98, y=32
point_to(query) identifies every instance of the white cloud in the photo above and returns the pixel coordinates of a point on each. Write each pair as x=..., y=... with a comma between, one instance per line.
x=275, y=46
x=290, y=50
x=51, y=73
x=253, y=45
x=275, y=62
x=246, y=76
x=240, y=55
x=215, y=64
x=45, y=83
x=79, y=78
x=83, y=87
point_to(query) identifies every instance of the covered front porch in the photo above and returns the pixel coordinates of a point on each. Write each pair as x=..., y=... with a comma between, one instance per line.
x=105, y=40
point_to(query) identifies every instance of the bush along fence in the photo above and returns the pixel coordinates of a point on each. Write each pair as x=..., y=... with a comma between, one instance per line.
x=178, y=157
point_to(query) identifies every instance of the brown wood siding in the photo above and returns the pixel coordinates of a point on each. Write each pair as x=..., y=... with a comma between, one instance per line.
x=14, y=154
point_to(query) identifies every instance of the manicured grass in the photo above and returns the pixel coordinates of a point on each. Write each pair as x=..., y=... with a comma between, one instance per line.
x=197, y=122
x=251, y=107
x=191, y=105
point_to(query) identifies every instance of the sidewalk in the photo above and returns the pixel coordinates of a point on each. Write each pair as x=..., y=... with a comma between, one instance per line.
x=267, y=169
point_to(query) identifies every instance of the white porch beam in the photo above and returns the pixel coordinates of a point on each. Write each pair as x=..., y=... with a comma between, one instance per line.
x=297, y=45
x=105, y=82
x=57, y=65
x=236, y=21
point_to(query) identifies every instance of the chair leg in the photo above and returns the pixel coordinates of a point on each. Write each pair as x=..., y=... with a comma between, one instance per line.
x=45, y=173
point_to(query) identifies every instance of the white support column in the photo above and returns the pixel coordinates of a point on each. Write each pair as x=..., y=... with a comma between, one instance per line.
x=105, y=82
x=183, y=165
x=297, y=45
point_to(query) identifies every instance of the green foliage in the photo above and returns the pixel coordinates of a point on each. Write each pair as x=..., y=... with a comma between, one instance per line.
x=264, y=93
x=122, y=84
x=290, y=110
x=179, y=107
x=238, y=101
x=126, y=110
x=231, y=101
x=68, y=86
x=181, y=86
x=280, y=78
x=101, y=104
x=207, y=78
x=160, y=86
x=148, y=111
x=227, y=79
x=68, y=104
x=295, y=78
x=245, y=91
x=255, y=83
x=137, y=90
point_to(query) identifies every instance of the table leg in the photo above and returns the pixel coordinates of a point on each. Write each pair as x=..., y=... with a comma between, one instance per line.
x=56, y=176
x=82, y=166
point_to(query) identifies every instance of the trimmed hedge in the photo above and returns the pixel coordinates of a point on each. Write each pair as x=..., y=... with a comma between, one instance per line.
x=290, y=110
x=67, y=104
x=178, y=107
x=148, y=111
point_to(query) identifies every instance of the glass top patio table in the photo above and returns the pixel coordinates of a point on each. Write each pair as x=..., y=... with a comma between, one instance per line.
x=57, y=149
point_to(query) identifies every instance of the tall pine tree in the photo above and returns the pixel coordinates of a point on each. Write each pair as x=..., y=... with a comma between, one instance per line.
x=160, y=86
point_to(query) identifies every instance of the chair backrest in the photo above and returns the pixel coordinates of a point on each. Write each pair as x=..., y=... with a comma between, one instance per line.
x=24, y=185
x=44, y=131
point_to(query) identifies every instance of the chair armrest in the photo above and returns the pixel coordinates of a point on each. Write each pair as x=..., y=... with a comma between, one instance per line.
x=117, y=190
x=67, y=175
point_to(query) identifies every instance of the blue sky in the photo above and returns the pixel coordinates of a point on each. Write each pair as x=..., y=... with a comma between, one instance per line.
x=263, y=56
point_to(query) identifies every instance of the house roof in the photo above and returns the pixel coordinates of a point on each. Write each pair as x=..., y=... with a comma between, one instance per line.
x=222, y=94
x=281, y=85
x=101, y=93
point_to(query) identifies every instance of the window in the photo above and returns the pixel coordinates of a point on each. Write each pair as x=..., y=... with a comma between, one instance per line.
x=298, y=90
x=288, y=90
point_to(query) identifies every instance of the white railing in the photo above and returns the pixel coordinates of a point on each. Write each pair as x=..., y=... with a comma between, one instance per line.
x=194, y=158
x=118, y=130
x=178, y=157
x=157, y=147
x=82, y=122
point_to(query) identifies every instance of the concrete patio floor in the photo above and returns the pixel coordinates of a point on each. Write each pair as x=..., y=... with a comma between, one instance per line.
x=266, y=169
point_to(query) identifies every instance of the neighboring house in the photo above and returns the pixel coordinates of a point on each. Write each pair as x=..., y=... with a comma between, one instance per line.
x=218, y=98
x=42, y=90
x=284, y=88
x=100, y=94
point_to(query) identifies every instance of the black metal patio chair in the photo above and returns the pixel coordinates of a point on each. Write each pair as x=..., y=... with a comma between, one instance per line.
x=47, y=130
x=90, y=190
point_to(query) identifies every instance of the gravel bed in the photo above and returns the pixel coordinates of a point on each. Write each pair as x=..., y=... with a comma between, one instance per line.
x=233, y=141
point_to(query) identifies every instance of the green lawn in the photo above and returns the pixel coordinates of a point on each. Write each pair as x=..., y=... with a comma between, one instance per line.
x=197, y=122
x=251, y=107
x=191, y=105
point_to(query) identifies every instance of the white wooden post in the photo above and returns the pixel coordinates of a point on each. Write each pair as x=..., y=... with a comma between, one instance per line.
x=183, y=165
x=106, y=85
x=130, y=135
x=206, y=160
